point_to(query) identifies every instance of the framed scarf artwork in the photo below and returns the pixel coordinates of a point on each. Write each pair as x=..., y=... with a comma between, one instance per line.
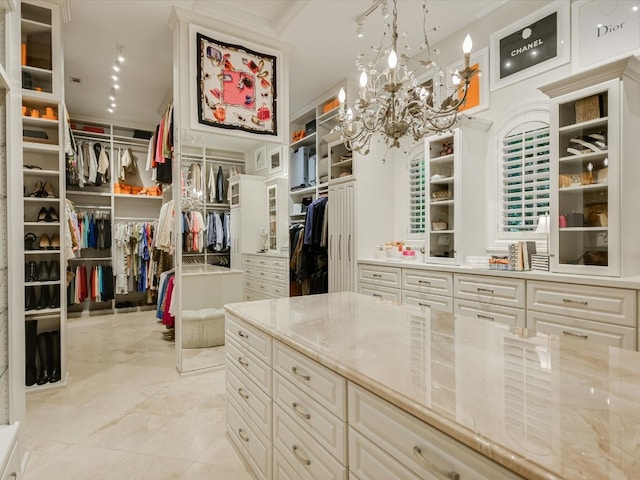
x=236, y=87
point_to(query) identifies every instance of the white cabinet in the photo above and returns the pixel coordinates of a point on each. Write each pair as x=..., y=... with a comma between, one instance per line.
x=248, y=215
x=381, y=282
x=277, y=208
x=342, y=237
x=594, y=175
x=265, y=276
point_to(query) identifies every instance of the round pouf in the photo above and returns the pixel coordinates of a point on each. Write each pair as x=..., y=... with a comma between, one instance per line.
x=202, y=328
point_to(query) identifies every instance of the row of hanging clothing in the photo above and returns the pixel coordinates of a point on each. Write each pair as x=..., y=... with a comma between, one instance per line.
x=193, y=228
x=132, y=264
x=94, y=228
x=165, y=309
x=218, y=231
x=97, y=285
x=160, y=150
x=87, y=163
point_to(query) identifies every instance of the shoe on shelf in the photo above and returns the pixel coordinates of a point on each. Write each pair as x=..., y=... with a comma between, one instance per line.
x=44, y=345
x=45, y=298
x=37, y=189
x=55, y=372
x=55, y=298
x=45, y=242
x=54, y=271
x=43, y=215
x=55, y=242
x=52, y=215
x=31, y=349
x=30, y=298
x=29, y=238
x=43, y=271
x=47, y=190
x=30, y=271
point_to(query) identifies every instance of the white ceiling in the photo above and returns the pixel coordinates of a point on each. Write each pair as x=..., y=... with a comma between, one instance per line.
x=321, y=32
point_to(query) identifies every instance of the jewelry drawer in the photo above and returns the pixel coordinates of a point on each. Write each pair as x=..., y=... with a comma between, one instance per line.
x=424, y=281
x=249, y=336
x=380, y=275
x=253, y=401
x=302, y=452
x=600, y=304
x=514, y=317
x=585, y=330
x=382, y=293
x=325, y=386
x=421, y=448
x=319, y=422
x=369, y=462
x=434, y=302
x=255, y=447
x=509, y=292
x=250, y=365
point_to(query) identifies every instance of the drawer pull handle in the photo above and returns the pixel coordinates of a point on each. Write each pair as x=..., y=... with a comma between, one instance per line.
x=577, y=302
x=424, y=305
x=242, y=334
x=486, y=317
x=451, y=475
x=296, y=407
x=482, y=289
x=376, y=295
x=242, y=362
x=242, y=394
x=424, y=282
x=577, y=335
x=302, y=459
x=376, y=275
x=242, y=435
x=304, y=377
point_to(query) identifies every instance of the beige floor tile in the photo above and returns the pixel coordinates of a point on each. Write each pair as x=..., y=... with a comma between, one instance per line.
x=147, y=467
x=126, y=433
x=204, y=471
x=76, y=462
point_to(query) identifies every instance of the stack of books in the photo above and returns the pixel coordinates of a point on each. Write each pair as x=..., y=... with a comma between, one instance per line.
x=520, y=255
x=540, y=262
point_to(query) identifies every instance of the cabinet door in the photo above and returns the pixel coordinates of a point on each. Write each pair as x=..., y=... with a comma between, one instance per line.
x=514, y=317
x=337, y=240
x=349, y=225
x=331, y=240
x=236, y=254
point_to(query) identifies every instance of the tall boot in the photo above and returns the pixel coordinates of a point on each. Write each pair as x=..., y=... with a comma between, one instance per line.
x=45, y=298
x=30, y=351
x=44, y=340
x=30, y=297
x=55, y=369
x=55, y=298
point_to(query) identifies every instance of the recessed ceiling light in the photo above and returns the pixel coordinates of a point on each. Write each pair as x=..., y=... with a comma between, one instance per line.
x=113, y=105
x=110, y=110
x=116, y=86
x=114, y=77
x=112, y=98
x=116, y=68
x=120, y=58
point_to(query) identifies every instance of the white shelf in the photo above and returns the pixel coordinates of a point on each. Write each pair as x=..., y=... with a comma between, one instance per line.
x=89, y=194
x=442, y=202
x=41, y=199
x=309, y=140
x=303, y=191
x=441, y=231
x=442, y=180
x=583, y=188
x=43, y=311
x=33, y=147
x=583, y=157
x=442, y=159
x=49, y=386
x=578, y=127
x=36, y=284
x=42, y=252
x=41, y=224
x=146, y=197
x=29, y=27
x=39, y=121
x=40, y=173
x=583, y=229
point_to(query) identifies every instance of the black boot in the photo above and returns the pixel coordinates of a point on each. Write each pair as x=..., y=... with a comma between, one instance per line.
x=43, y=271
x=30, y=298
x=44, y=347
x=55, y=298
x=44, y=298
x=55, y=373
x=54, y=271
x=30, y=271
x=30, y=351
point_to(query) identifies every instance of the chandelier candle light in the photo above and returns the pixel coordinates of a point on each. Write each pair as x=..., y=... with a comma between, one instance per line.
x=399, y=99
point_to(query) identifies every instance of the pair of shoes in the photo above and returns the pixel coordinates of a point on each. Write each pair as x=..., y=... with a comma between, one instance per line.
x=47, y=243
x=46, y=300
x=43, y=190
x=30, y=271
x=49, y=357
x=29, y=238
x=50, y=215
x=43, y=272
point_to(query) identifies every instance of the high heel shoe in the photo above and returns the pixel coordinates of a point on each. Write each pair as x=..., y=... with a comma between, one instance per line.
x=29, y=238
x=55, y=242
x=45, y=298
x=52, y=215
x=45, y=242
x=47, y=190
x=43, y=215
x=43, y=272
x=37, y=189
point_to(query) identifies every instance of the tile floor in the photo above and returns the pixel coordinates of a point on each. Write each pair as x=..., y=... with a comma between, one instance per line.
x=126, y=413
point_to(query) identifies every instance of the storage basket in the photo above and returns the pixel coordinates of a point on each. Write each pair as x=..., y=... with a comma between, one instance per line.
x=588, y=108
x=440, y=195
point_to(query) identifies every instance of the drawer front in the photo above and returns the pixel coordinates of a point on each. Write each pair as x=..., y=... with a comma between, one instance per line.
x=12, y=470
x=279, y=277
x=514, y=317
x=327, y=387
x=249, y=364
x=252, y=400
x=423, y=281
x=581, y=329
x=279, y=291
x=255, y=447
x=601, y=304
x=379, y=275
x=434, y=302
x=383, y=293
x=249, y=336
x=326, y=428
x=255, y=261
x=301, y=450
x=421, y=448
x=369, y=462
x=281, y=468
x=500, y=291
x=280, y=264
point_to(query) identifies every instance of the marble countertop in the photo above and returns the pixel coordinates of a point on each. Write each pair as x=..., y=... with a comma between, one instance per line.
x=632, y=283
x=543, y=406
x=206, y=269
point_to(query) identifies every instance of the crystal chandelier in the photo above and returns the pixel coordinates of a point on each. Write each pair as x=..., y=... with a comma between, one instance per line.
x=400, y=99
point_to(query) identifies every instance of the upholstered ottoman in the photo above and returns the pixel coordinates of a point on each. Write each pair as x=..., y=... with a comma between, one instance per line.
x=202, y=328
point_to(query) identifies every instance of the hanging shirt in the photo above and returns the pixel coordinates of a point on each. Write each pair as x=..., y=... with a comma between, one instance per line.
x=212, y=185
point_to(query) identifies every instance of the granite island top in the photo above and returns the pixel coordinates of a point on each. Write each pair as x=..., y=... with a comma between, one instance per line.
x=543, y=406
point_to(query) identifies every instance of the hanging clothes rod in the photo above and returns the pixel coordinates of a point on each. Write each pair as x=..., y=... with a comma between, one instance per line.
x=90, y=259
x=135, y=219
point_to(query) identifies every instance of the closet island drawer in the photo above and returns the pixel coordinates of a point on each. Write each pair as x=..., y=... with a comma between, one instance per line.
x=585, y=330
x=302, y=452
x=382, y=293
x=435, y=302
x=601, y=304
x=249, y=336
x=326, y=428
x=424, y=450
x=369, y=462
x=252, y=401
x=509, y=292
x=255, y=447
x=325, y=386
x=380, y=275
x=424, y=281
x=248, y=364
x=514, y=317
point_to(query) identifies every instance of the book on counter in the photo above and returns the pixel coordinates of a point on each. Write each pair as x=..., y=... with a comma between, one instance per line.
x=520, y=255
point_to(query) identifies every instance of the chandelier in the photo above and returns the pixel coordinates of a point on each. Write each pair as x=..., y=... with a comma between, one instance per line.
x=400, y=96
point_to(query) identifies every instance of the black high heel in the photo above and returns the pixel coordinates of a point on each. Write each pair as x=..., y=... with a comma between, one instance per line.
x=52, y=215
x=43, y=215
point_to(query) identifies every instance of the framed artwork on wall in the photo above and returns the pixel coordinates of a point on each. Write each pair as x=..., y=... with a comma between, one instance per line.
x=603, y=31
x=260, y=157
x=534, y=44
x=478, y=94
x=236, y=87
x=275, y=160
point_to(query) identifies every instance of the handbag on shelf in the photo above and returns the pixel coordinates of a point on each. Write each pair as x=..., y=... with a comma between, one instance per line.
x=596, y=214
